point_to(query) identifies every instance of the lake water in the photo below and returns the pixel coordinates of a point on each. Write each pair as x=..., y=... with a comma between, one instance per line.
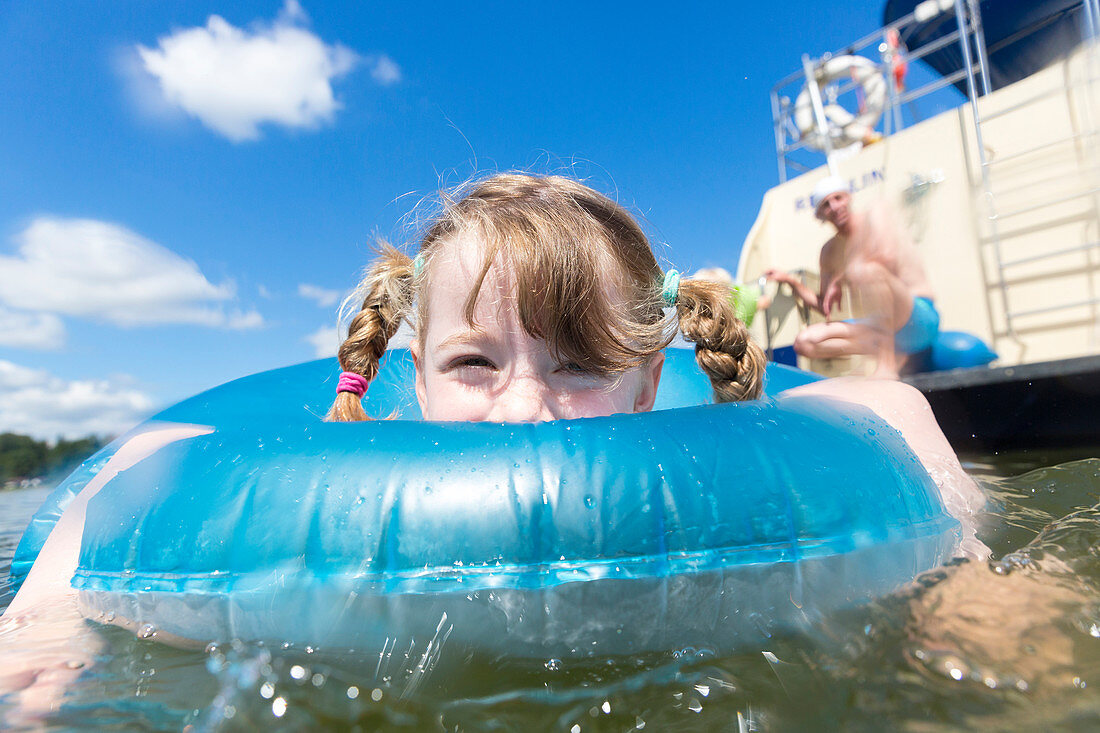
x=1012, y=644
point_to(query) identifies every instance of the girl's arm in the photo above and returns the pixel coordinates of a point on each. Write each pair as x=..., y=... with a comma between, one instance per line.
x=908, y=412
x=46, y=643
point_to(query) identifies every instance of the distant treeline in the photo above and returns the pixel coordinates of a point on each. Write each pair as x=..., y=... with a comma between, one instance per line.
x=23, y=457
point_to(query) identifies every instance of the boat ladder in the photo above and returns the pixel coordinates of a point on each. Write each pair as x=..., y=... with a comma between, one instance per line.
x=1051, y=185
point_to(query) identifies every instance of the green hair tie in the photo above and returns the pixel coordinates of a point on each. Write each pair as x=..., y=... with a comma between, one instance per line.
x=744, y=298
x=670, y=288
x=418, y=265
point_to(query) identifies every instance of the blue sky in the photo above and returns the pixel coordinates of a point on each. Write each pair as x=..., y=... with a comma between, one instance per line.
x=188, y=188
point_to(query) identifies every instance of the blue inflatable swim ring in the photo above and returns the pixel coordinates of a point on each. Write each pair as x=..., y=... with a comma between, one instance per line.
x=702, y=525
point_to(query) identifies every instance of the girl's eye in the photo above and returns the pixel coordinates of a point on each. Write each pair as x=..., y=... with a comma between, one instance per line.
x=573, y=367
x=477, y=362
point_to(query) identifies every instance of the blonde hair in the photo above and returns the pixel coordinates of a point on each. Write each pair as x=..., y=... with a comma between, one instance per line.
x=559, y=239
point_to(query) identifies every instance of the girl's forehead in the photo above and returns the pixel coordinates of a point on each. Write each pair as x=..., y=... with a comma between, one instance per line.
x=455, y=268
x=457, y=263
x=464, y=252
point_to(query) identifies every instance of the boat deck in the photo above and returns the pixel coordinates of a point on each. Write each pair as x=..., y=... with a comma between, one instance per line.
x=984, y=408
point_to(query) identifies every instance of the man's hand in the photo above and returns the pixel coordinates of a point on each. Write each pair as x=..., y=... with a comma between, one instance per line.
x=799, y=289
x=779, y=276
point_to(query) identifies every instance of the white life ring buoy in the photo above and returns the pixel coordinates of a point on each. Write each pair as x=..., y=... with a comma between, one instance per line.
x=845, y=128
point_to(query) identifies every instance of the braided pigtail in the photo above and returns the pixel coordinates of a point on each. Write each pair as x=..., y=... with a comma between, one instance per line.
x=723, y=347
x=387, y=299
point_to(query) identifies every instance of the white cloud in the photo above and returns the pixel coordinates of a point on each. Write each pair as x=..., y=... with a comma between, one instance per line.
x=325, y=341
x=37, y=403
x=239, y=321
x=293, y=12
x=385, y=70
x=105, y=272
x=322, y=296
x=20, y=330
x=234, y=79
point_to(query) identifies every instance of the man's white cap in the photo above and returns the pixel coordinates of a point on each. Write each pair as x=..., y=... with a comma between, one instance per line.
x=825, y=187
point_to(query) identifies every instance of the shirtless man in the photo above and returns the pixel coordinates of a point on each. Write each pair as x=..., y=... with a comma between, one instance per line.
x=885, y=278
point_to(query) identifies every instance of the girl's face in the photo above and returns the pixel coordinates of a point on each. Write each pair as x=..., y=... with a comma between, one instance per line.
x=497, y=371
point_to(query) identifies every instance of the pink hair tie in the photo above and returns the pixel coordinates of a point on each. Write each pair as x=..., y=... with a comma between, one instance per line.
x=352, y=382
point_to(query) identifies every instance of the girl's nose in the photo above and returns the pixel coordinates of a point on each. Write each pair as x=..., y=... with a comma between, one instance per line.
x=523, y=400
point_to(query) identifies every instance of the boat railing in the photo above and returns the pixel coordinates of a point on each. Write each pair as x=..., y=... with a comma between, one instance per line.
x=882, y=48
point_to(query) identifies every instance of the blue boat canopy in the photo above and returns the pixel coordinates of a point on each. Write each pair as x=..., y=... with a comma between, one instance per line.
x=1021, y=36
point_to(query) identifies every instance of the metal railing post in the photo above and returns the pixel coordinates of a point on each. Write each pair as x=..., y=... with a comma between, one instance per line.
x=891, y=120
x=819, y=111
x=1092, y=18
x=979, y=42
x=987, y=189
x=780, y=143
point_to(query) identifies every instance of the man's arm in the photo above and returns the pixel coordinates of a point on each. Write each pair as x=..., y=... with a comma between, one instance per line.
x=799, y=288
x=821, y=301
